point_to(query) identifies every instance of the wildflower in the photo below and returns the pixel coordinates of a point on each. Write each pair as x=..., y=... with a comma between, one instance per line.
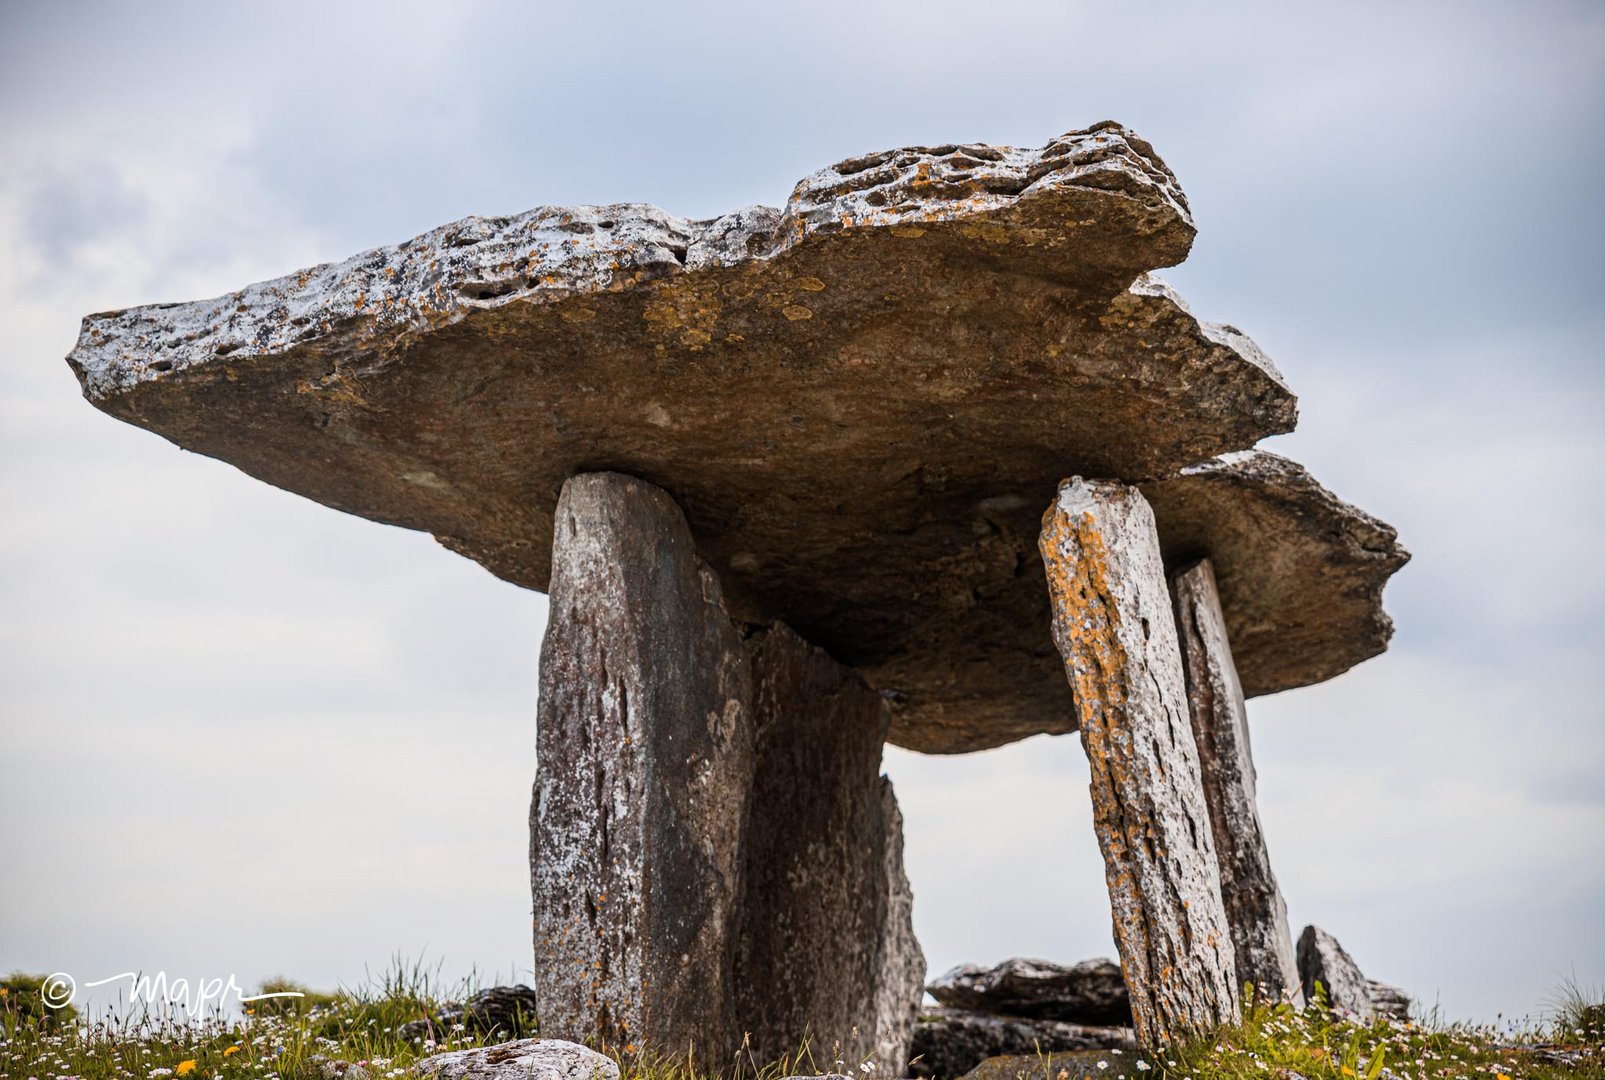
x=231, y=1050
x=155, y=1073
x=185, y=1067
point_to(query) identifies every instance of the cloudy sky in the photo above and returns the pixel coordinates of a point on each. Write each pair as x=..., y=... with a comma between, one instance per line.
x=244, y=734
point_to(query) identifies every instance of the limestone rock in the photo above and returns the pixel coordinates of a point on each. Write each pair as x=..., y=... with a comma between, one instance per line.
x=1300, y=571
x=1348, y=992
x=508, y=1011
x=1261, y=942
x=1076, y=1065
x=900, y=970
x=1388, y=1001
x=950, y=1042
x=1113, y=624
x=860, y=400
x=1091, y=992
x=827, y=951
x=645, y=764
x=526, y=1059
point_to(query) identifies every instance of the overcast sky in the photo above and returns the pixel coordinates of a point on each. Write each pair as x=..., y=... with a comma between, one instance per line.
x=245, y=734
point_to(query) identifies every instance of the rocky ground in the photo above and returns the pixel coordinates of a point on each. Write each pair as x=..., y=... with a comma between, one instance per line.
x=398, y=1031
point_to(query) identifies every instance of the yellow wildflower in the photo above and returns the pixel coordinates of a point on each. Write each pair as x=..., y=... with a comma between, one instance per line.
x=185, y=1067
x=231, y=1050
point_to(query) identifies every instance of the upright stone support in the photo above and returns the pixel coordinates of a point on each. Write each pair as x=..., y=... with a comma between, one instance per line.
x=1262, y=944
x=645, y=761
x=1113, y=624
x=827, y=951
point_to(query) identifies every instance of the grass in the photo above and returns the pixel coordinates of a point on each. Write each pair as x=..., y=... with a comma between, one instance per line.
x=358, y=1033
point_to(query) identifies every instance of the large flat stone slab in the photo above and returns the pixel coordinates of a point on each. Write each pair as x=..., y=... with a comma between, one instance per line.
x=862, y=400
x=1299, y=571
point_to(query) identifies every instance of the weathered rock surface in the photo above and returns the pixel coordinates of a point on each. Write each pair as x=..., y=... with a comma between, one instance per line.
x=1113, y=624
x=1348, y=992
x=827, y=950
x=526, y=1059
x=645, y=748
x=507, y=1011
x=860, y=400
x=1075, y=1065
x=1300, y=571
x=950, y=1042
x=1091, y=992
x=1388, y=1001
x=900, y=979
x=1261, y=941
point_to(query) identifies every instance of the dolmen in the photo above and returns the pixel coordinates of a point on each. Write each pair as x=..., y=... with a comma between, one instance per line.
x=927, y=456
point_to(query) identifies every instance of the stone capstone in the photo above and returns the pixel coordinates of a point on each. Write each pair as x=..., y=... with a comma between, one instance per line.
x=1300, y=572
x=860, y=400
x=525, y=1059
x=1091, y=992
x=950, y=1042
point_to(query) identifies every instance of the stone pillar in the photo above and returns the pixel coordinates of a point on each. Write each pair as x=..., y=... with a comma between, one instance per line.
x=1113, y=624
x=1261, y=941
x=645, y=762
x=827, y=951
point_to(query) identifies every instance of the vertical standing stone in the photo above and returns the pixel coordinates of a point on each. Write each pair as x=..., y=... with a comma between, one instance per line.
x=827, y=951
x=644, y=766
x=1113, y=624
x=1262, y=944
x=900, y=971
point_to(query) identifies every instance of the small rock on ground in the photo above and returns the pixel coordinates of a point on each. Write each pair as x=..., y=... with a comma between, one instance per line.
x=526, y=1059
x=951, y=1042
x=1075, y=1065
x=1091, y=992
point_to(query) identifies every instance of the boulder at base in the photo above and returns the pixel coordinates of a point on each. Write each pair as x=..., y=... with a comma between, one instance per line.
x=1091, y=992
x=950, y=1042
x=508, y=1011
x=526, y=1059
x=1348, y=992
x=1076, y=1065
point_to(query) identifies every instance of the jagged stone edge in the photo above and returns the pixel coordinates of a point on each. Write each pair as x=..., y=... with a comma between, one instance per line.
x=1367, y=535
x=550, y=253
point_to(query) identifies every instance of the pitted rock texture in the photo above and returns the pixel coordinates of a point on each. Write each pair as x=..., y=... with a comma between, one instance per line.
x=1091, y=992
x=1300, y=572
x=862, y=400
x=526, y=1059
x=950, y=1042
